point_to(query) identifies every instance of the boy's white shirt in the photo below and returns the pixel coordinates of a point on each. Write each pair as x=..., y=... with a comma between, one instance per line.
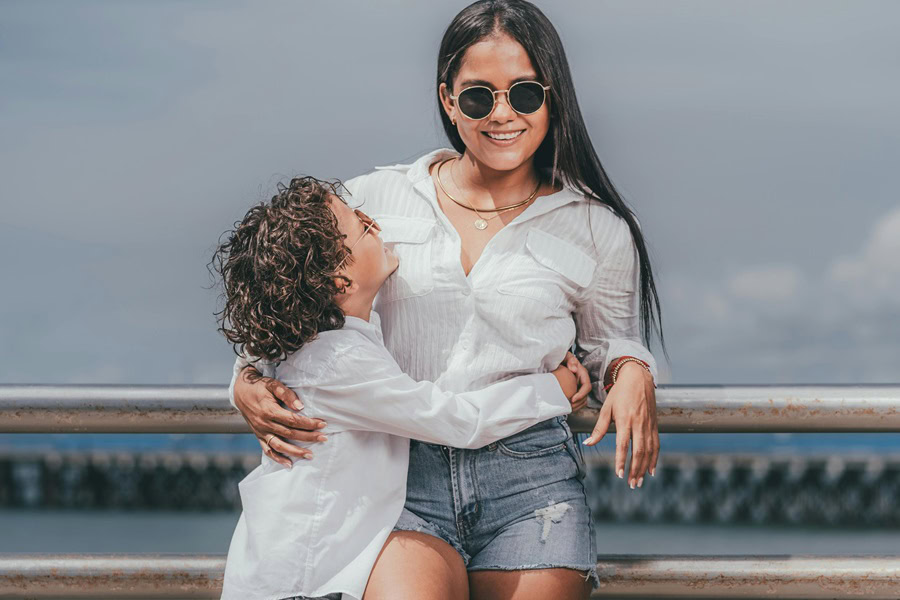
x=318, y=528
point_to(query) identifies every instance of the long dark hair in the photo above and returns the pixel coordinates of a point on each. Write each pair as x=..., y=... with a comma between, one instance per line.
x=566, y=154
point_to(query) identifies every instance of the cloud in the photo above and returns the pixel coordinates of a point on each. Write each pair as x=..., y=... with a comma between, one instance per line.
x=870, y=279
x=767, y=285
x=774, y=323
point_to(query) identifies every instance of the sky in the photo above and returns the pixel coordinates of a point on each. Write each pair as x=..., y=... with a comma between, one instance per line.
x=757, y=142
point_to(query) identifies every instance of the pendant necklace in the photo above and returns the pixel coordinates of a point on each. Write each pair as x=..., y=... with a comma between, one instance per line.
x=481, y=223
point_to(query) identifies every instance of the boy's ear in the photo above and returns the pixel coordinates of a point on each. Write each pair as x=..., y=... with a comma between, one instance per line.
x=345, y=285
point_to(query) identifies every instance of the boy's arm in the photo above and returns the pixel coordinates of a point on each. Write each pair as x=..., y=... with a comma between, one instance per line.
x=366, y=390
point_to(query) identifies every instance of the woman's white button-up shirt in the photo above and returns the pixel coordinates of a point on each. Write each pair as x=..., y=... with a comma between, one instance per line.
x=564, y=270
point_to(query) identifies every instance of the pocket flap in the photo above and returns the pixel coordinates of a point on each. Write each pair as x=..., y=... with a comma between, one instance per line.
x=561, y=256
x=404, y=229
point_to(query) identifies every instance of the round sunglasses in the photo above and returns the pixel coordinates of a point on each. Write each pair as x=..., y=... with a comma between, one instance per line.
x=478, y=101
x=369, y=224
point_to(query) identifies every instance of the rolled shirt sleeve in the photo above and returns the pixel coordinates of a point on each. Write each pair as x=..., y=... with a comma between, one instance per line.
x=607, y=314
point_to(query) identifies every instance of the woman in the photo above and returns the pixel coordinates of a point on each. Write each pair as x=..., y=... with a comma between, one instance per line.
x=512, y=246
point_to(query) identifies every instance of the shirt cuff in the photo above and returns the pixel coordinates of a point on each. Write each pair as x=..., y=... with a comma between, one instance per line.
x=552, y=402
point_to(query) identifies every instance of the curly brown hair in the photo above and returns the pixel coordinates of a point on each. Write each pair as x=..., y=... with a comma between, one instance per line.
x=278, y=270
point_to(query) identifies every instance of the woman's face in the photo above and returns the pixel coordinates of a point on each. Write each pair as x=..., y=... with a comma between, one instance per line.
x=498, y=62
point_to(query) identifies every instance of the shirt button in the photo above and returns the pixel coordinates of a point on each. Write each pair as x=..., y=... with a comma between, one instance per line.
x=466, y=291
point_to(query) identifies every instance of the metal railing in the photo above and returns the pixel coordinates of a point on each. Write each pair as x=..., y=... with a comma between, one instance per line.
x=625, y=576
x=205, y=409
x=680, y=409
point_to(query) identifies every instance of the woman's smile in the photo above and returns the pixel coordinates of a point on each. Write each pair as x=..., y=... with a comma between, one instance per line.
x=504, y=138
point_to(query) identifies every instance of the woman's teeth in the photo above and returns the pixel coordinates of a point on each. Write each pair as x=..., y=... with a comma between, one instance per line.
x=504, y=136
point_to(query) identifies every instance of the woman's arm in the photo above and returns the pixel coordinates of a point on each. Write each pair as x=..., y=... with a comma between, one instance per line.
x=366, y=390
x=607, y=320
x=261, y=401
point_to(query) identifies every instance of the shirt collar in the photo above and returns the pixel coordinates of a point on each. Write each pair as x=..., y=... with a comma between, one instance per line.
x=371, y=328
x=418, y=170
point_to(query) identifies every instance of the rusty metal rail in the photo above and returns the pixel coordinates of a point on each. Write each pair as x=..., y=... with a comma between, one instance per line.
x=626, y=576
x=681, y=409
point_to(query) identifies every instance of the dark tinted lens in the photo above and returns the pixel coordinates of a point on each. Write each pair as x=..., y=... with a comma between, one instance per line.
x=526, y=97
x=476, y=102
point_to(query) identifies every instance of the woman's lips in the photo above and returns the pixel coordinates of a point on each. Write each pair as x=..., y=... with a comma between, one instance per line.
x=505, y=140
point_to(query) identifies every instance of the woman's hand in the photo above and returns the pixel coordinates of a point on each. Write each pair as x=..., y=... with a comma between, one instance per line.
x=257, y=398
x=631, y=403
x=574, y=380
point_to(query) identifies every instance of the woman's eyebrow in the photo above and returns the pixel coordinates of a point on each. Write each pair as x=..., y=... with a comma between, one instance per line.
x=471, y=82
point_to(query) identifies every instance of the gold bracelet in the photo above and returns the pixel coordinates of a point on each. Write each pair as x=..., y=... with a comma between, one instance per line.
x=615, y=372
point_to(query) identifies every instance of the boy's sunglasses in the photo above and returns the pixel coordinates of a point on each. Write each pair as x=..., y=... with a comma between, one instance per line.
x=478, y=101
x=370, y=223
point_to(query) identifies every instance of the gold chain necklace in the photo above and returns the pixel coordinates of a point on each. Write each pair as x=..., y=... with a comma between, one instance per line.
x=481, y=223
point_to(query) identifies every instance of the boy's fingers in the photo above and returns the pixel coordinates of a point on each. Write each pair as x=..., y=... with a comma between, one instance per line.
x=581, y=394
x=584, y=383
x=572, y=362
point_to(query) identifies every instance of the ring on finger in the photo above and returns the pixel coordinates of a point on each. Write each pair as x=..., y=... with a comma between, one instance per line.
x=269, y=439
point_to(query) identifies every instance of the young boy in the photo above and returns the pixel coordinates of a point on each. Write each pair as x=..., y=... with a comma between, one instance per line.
x=300, y=274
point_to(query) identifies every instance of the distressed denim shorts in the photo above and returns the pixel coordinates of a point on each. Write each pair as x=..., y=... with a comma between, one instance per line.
x=516, y=504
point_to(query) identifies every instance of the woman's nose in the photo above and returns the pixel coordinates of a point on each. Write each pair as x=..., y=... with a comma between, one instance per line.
x=502, y=112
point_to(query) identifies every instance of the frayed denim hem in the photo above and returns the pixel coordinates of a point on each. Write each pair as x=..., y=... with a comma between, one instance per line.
x=590, y=572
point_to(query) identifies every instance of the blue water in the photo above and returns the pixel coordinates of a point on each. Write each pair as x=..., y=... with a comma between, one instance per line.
x=121, y=531
x=764, y=443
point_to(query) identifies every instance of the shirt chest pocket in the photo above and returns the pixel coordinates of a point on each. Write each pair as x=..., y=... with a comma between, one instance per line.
x=411, y=240
x=550, y=271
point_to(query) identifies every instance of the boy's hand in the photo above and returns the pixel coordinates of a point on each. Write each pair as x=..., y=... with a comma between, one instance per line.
x=574, y=380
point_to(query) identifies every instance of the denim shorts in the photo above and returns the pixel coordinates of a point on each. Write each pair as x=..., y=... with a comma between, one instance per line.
x=516, y=504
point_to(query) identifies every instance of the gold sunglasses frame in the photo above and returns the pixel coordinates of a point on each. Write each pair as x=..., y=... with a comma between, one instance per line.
x=372, y=224
x=494, y=93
